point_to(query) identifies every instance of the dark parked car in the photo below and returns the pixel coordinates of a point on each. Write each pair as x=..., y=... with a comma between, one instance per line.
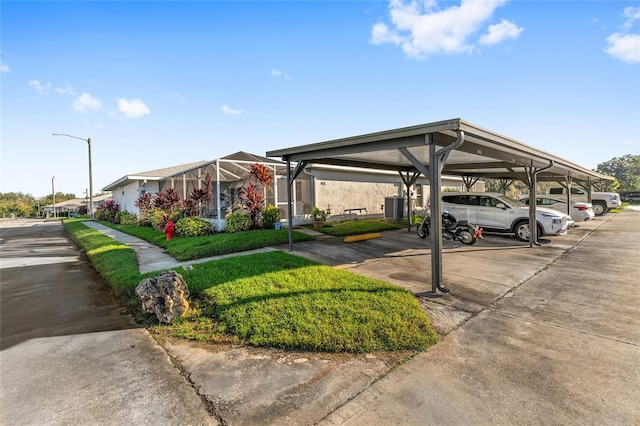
x=630, y=196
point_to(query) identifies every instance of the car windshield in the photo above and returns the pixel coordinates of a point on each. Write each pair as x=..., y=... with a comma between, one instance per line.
x=510, y=201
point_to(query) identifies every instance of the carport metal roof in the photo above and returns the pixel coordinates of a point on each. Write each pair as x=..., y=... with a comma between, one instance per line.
x=483, y=153
x=451, y=147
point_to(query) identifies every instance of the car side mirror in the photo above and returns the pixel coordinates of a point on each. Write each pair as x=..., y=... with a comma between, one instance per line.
x=501, y=206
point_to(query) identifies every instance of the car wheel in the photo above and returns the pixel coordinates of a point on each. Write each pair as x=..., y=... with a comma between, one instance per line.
x=599, y=208
x=522, y=231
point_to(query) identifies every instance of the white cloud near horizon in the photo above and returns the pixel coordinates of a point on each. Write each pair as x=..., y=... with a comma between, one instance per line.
x=4, y=67
x=228, y=110
x=421, y=29
x=623, y=46
x=278, y=73
x=85, y=102
x=133, y=108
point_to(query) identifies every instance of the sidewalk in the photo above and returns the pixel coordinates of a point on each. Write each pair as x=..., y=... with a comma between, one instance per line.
x=153, y=258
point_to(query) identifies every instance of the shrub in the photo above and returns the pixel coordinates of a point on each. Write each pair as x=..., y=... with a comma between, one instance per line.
x=167, y=200
x=270, y=216
x=236, y=222
x=193, y=227
x=123, y=217
x=144, y=202
x=108, y=211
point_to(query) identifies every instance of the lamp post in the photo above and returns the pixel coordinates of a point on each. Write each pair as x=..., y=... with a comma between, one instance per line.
x=53, y=196
x=88, y=141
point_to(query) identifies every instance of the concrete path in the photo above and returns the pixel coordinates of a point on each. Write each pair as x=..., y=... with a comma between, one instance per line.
x=68, y=353
x=154, y=258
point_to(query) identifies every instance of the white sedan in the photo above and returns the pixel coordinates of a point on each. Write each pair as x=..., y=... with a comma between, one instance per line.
x=579, y=211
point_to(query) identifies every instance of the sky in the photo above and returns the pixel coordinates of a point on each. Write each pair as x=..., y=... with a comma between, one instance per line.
x=156, y=84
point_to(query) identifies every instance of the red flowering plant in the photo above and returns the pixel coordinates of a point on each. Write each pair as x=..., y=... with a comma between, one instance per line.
x=254, y=195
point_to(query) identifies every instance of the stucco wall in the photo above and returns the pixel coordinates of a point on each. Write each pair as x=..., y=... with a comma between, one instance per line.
x=338, y=196
x=127, y=195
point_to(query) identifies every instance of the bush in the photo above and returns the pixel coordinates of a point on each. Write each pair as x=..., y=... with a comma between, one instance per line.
x=123, y=217
x=108, y=211
x=193, y=227
x=158, y=218
x=270, y=216
x=238, y=221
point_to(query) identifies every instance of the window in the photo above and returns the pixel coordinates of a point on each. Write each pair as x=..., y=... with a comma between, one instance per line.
x=556, y=191
x=488, y=201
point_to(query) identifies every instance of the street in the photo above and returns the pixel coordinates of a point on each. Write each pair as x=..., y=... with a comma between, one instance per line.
x=69, y=355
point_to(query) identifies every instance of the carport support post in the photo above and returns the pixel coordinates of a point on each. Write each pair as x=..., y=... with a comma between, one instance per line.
x=437, y=159
x=533, y=226
x=568, y=181
x=291, y=177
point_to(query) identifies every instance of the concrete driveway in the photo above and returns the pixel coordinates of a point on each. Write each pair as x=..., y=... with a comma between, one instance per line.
x=563, y=347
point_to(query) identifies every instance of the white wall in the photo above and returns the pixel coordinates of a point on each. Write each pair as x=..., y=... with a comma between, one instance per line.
x=127, y=195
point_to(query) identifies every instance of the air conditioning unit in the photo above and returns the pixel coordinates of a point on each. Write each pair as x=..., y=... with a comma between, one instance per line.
x=394, y=208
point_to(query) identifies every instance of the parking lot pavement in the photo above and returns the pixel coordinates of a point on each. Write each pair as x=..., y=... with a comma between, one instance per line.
x=477, y=275
x=561, y=348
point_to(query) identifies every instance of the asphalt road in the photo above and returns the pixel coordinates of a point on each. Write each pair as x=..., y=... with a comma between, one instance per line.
x=68, y=354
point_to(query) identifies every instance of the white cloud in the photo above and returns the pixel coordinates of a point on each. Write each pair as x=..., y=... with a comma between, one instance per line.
x=633, y=14
x=500, y=32
x=228, y=110
x=420, y=29
x=625, y=47
x=278, y=73
x=65, y=90
x=622, y=45
x=4, y=67
x=133, y=108
x=85, y=102
x=39, y=87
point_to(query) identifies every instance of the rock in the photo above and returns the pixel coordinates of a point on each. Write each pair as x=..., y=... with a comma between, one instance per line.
x=165, y=295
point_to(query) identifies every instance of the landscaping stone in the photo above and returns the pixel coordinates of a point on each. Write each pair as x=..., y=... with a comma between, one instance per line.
x=165, y=295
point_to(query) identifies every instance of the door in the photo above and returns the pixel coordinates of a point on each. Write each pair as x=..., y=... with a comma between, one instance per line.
x=491, y=216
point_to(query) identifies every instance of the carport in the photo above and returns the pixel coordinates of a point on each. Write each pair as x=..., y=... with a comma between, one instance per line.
x=450, y=147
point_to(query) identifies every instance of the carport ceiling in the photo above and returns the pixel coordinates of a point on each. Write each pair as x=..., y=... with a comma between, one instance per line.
x=483, y=153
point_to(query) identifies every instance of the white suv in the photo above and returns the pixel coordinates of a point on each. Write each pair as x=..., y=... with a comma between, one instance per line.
x=499, y=213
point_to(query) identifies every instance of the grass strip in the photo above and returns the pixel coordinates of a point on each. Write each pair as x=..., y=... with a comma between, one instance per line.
x=272, y=299
x=358, y=227
x=189, y=248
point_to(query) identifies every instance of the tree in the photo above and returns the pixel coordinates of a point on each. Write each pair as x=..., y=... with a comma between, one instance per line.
x=17, y=203
x=625, y=169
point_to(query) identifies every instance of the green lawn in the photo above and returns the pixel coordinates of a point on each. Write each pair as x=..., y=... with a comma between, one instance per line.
x=188, y=248
x=358, y=227
x=273, y=299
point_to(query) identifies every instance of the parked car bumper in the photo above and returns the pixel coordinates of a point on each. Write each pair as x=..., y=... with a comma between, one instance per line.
x=557, y=227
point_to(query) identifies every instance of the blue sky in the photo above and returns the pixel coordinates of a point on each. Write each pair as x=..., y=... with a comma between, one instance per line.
x=161, y=83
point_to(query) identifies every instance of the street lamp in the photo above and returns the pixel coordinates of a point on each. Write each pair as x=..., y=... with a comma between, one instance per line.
x=53, y=196
x=88, y=140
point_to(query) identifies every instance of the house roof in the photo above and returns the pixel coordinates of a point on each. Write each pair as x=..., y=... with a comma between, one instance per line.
x=157, y=174
x=231, y=168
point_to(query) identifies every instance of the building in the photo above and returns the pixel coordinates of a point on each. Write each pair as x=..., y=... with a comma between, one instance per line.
x=341, y=191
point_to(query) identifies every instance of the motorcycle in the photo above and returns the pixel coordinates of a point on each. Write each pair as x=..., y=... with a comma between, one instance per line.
x=452, y=229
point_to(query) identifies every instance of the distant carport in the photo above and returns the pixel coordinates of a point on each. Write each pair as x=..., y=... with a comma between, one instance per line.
x=450, y=147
